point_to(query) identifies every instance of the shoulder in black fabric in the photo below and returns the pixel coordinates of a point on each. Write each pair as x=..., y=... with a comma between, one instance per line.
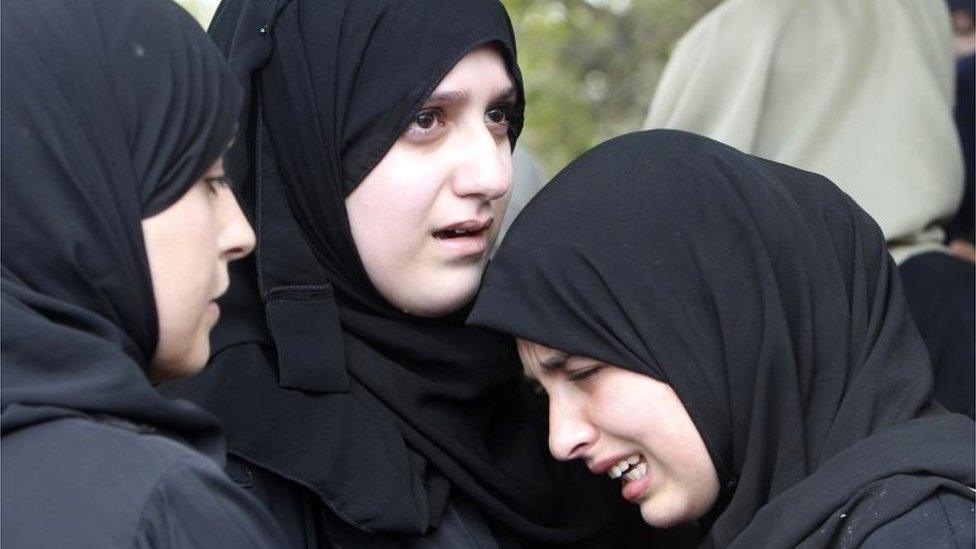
x=372, y=409
x=765, y=297
x=92, y=144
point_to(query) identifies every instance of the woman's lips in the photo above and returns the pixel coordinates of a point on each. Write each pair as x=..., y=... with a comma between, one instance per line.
x=637, y=483
x=633, y=472
x=465, y=238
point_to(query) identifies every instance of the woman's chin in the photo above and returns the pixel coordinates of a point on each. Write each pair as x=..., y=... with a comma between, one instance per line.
x=664, y=515
x=437, y=296
x=438, y=304
x=180, y=365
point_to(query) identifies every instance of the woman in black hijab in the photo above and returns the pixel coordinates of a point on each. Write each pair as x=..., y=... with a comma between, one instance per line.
x=728, y=336
x=117, y=226
x=377, y=165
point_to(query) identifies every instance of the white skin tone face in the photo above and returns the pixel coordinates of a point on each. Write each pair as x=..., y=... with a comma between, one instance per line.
x=426, y=217
x=628, y=426
x=188, y=246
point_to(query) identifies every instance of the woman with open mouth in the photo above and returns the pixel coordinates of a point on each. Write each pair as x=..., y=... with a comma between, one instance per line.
x=375, y=159
x=727, y=337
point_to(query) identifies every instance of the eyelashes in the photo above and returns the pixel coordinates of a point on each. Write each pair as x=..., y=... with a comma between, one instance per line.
x=573, y=376
x=214, y=184
x=499, y=115
x=427, y=119
x=430, y=122
x=585, y=373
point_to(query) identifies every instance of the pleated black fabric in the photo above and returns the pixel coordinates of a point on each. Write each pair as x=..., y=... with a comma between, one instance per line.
x=764, y=296
x=383, y=416
x=111, y=111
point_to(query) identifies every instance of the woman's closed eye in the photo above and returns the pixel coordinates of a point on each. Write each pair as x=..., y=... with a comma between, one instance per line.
x=216, y=183
x=582, y=373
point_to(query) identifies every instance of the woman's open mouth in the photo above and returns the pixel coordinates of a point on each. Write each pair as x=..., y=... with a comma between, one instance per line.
x=465, y=238
x=632, y=471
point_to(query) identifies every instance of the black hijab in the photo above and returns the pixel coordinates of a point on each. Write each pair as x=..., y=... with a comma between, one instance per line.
x=317, y=378
x=111, y=110
x=764, y=296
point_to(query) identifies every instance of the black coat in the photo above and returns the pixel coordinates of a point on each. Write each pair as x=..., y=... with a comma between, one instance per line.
x=310, y=521
x=944, y=520
x=74, y=480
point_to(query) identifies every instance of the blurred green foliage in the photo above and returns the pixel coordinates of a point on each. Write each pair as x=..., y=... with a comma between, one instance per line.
x=590, y=66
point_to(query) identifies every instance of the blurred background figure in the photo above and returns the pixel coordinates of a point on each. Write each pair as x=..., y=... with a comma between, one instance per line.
x=960, y=228
x=861, y=92
x=527, y=180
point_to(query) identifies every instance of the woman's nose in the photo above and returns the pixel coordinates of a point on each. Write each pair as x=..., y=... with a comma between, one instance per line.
x=484, y=169
x=569, y=432
x=236, y=238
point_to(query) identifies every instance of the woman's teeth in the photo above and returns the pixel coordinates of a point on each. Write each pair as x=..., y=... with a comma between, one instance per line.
x=631, y=468
x=637, y=472
x=451, y=233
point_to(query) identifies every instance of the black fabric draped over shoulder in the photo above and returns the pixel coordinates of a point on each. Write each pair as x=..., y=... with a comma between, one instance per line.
x=764, y=296
x=93, y=144
x=381, y=415
x=111, y=111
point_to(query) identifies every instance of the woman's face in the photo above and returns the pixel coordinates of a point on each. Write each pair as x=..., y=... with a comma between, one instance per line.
x=189, y=245
x=628, y=426
x=426, y=217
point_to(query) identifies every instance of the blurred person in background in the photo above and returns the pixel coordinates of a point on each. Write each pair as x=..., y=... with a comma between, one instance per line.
x=527, y=181
x=959, y=231
x=117, y=227
x=861, y=92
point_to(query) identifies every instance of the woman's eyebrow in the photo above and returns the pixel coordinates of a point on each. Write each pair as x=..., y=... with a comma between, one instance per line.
x=554, y=361
x=507, y=94
x=448, y=96
x=440, y=97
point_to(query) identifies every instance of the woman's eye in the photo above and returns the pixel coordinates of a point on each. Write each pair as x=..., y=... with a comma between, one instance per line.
x=216, y=183
x=585, y=373
x=426, y=121
x=497, y=115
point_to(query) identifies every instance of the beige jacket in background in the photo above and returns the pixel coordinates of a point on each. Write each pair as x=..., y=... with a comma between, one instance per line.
x=860, y=91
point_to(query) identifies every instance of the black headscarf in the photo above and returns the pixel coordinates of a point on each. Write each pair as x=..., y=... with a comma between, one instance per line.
x=317, y=378
x=764, y=296
x=111, y=110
